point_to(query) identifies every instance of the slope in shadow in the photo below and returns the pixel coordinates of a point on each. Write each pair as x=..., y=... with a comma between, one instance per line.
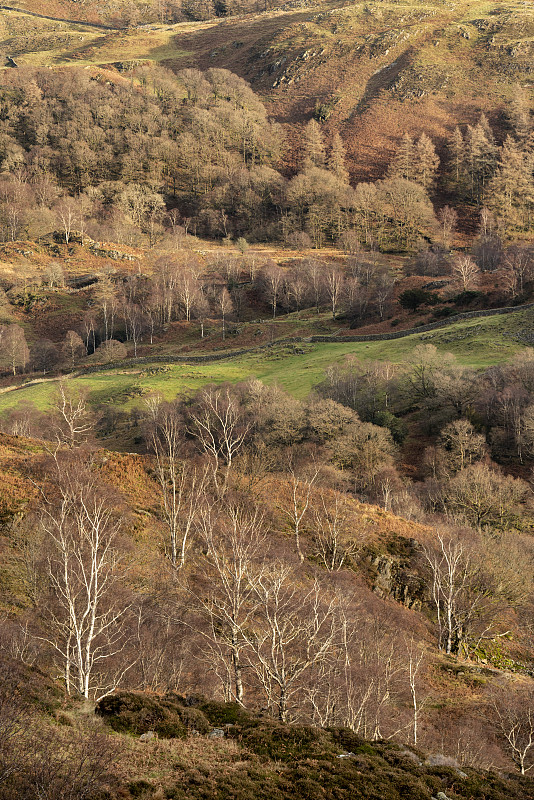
x=384, y=78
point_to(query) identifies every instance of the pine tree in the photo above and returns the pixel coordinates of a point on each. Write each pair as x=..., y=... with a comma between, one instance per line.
x=314, y=150
x=336, y=160
x=426, y=162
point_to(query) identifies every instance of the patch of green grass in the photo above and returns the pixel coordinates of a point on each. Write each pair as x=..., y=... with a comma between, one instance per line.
x=477, y=343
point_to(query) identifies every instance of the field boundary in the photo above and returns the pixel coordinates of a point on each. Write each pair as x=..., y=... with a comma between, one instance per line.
x=333, y=338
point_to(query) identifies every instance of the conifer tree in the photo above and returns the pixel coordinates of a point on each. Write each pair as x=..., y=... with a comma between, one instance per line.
x=519, y=115
x=336, y=160
x=402, y=165
x=480, y=157
x=456, y=149
x=314, y=150
x=426, y=162
x=511, y=192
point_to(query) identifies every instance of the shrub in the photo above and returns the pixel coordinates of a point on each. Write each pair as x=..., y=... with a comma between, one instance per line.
x=129, y=712
x=413, y=298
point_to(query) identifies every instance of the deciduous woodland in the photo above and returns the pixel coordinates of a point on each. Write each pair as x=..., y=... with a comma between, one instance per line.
x=217, y=580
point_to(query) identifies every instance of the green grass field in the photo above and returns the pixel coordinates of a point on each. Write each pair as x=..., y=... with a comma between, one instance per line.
x=477, y=343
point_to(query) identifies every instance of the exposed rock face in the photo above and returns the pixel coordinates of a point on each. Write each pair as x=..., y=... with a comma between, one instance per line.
x=395, y=574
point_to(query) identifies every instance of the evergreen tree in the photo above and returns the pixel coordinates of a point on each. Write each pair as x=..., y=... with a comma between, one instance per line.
x=511, y=192
x=426, y=162
x=336, y=160
x=314, y=150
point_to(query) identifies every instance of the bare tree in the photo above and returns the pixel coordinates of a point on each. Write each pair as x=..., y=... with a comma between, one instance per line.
x=219, y=426
x=447, y=218
x=73, y=347
x=515, y=725
x=201, y=310
x=225, y=306
x=297, y=507
x=273, y=280
x=466, y=271
x=415, y=657
x=85, y=622
x=72, y=421
x=14, y=720
x=136, y=323
x=519, y=269
x=334, y=282
x=357, y=685
x=188, y=291
x=463, y=444
x=105, y=296
x=482, y=496
x=333, y=545
x=467, y=603
x=294, y=628
x=67, y=217
x=313, y=271
x=181, y=489
x=234, y=544
x=13, y=347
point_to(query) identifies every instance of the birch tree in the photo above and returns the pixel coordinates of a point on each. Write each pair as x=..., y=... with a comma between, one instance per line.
x=180, y=489
x=219, y=426
x=85, y=622
x=515, y=725
x=73, y=421
x=294, y=628
x=234, y=544
x=296, y=509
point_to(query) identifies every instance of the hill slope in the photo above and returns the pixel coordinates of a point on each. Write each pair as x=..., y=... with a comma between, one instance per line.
x=370, y=70
x=297, y=367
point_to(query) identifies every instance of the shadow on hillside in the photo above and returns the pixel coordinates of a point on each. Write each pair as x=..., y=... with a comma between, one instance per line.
x=384, y=78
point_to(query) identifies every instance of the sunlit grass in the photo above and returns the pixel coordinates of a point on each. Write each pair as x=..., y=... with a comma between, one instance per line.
x=477, y=343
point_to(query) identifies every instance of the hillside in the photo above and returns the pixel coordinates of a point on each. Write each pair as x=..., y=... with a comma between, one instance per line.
x=295, y=367
x=266, y=400
x=371, y=71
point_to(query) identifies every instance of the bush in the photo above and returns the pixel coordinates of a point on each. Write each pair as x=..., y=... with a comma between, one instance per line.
x=220, y=714
x=129, y=712
x=194, y=719
x=413, y=298
x=468, y=298
x=286, y=743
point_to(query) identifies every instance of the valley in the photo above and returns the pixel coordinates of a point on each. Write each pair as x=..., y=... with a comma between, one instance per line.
x=266, y=400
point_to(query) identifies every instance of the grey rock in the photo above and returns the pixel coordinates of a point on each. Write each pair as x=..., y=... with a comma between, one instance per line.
x=216, y=733
x=148, y=736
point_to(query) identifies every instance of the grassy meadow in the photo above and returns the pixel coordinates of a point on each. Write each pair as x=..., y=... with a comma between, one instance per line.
x=297, y=368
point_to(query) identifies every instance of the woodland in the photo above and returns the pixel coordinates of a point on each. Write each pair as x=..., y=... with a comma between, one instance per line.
x=242, y=587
